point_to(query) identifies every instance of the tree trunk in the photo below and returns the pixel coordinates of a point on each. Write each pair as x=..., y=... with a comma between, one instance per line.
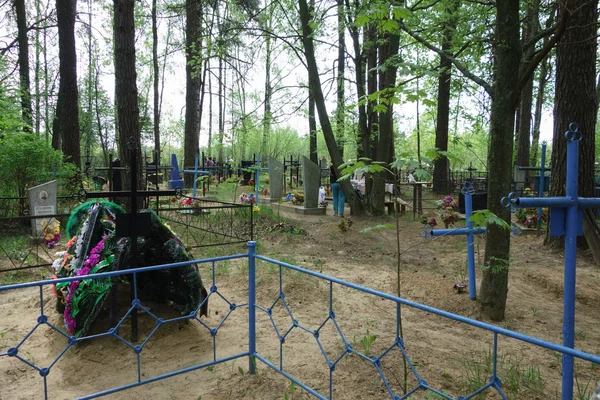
x=24, y=63
x=524, y=121
x=312, y=126
x=363, y=142
x=539, y=102
x=575, y=100
x=441, y=169
x=315, y=86
x=193, y=44
x=68, y=112
x=494, y=283
x=156, y=72
x=340, y=112
x=267, y=117
x=126, y=90
x=222, y=77
x=385, y=144
x=38, y=15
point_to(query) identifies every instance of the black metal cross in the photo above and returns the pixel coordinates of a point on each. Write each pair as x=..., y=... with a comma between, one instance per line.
x=132, y=225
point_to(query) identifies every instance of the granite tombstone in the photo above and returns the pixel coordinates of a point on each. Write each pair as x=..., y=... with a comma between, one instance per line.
x=42, y=201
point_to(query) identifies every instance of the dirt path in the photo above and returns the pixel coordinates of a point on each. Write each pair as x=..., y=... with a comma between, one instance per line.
x=450, y=356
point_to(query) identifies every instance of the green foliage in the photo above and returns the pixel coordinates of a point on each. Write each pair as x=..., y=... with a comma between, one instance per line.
x=26, y=161
x=361, y=166
x=366, y=341
x=485, y=217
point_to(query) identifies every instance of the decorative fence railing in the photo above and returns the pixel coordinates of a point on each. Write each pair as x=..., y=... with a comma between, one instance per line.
x=396, y=348
x=199, y=222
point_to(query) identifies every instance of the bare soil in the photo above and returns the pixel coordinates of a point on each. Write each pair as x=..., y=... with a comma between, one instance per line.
x=450, y=356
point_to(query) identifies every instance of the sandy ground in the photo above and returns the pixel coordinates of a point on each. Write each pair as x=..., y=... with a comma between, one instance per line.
x=450, y=356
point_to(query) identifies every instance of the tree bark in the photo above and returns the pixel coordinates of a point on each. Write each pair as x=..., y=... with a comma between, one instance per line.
x=363, y=142
x=126, y=90
x=267, y=117
x=494, y=283
x=67, y=109
x=315, y=86
x=575, y=99
x=156, y=72
x=441, y=169
x=340, y=112
x=524, y=121
x=193, y=44
x=24, y=64
x=384, y=151
x=539, y=102
x=312, y=126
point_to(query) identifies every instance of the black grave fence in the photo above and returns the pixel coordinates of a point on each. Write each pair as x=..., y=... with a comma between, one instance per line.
x=198, y=222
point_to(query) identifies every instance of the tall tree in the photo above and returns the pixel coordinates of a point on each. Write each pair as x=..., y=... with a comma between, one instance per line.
x=315, y=86
x=267, y=115
x=510, y=75
x=539, y=102
x=126, y=88
x=575, y=98
x=24, y=63
x=524, y=121
x=312, y=127
x=67, y=109
x=340, y=112
x=193, y=44
x=441, y=170
x=155, y=72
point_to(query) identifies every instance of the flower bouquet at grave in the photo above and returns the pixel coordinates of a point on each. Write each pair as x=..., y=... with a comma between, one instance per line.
x=94, y=248
x=448, y=210
x=529, y=216
x=247, y=198
x=51, y=232
x=297, y=198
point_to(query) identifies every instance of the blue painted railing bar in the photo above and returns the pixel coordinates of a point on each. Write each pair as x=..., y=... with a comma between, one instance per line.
x=252, y=308
x=398, y=343
x=479, y=324
x=568, y=223
x=163, y=376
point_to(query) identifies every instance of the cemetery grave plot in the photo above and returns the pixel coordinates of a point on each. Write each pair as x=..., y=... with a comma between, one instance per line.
x=449, y=355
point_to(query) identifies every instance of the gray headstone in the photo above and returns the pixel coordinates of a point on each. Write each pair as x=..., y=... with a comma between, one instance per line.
x=324, y=165
x=42, y=201
x=519, y=179
x=311, y=174
x=275, y=179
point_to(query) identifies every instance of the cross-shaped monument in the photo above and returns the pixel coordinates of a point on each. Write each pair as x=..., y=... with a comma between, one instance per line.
x=257, y=171
x=565, y=220
x=132, y=225
x=196, y=172
x=469, y=231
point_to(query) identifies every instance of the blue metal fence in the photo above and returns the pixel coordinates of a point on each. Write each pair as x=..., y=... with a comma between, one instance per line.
x=253, y=307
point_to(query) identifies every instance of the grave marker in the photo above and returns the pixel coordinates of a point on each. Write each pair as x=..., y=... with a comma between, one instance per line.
x=275, y=179
x=311, y=176
x=196, y=172
x=175, y=181
x=565, y=220
x=42, y=201
x=469, y=231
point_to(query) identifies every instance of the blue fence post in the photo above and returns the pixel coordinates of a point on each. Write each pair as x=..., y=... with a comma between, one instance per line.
x=470, y=244
x=252, y=305
x=570, y=268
